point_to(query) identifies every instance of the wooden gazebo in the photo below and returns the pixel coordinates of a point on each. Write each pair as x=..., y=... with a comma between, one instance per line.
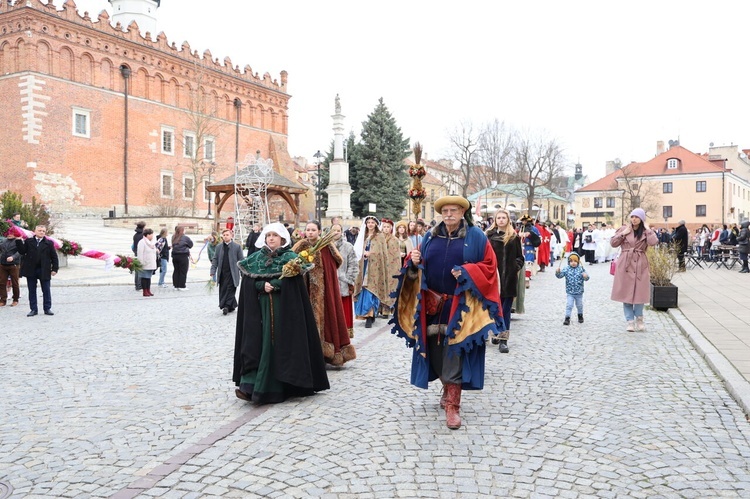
x=279, y=185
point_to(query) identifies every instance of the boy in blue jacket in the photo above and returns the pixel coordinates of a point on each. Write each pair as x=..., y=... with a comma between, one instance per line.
x=574, y=275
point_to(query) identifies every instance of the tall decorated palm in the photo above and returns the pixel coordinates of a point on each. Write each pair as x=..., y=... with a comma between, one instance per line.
x=417, y=193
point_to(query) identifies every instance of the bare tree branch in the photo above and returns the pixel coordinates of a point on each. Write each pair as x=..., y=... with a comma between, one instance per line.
x=495, y=153
x=464, y=142
x=198, y=144
x=638, y=192
x=538, y=160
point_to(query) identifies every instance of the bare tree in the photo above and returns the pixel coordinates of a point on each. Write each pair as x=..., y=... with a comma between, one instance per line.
x=495, y=153
x=198, y=144
x=464, y=142
x=538, y=160
x=639, y=192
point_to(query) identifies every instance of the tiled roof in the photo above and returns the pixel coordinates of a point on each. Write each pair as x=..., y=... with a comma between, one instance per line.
x=516, y=190
x=608, y=183
x=688, y=163
x=277, y=181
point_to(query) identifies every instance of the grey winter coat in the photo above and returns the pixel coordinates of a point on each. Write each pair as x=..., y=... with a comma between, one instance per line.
x=349, y=268
x=234, y=253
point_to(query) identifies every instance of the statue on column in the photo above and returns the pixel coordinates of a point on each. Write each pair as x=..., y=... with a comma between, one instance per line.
x=338, y=104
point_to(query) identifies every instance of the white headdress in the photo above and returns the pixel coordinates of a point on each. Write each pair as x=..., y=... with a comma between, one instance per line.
x=359, y=244
x=276, y=227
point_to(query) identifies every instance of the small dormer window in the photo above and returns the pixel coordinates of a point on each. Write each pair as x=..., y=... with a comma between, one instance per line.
x=673, y=163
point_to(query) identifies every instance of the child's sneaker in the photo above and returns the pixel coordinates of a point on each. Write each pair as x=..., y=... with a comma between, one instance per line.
x=566, y=322
x=580, y=318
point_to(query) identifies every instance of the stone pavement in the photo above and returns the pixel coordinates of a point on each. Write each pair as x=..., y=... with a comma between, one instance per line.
x=122, y=396
x=715, y=314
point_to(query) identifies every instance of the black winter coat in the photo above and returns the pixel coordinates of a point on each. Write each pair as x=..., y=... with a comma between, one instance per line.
x=681, y=237
x=509, y=261
x=43, y=255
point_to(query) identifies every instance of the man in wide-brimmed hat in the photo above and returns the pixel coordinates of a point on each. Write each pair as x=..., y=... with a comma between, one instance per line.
x=450, y=284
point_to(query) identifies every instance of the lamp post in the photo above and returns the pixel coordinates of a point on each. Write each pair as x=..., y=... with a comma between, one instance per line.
x=319, y=157
x=211, y=169
x=125, y=72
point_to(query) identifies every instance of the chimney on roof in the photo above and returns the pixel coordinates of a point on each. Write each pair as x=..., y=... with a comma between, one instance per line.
x=660, y=147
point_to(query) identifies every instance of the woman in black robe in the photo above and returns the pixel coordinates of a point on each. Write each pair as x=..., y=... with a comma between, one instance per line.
x=277, y=352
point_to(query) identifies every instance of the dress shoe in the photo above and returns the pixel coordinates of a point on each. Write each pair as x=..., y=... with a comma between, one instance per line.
x=14, y=304
x=225, y=310
x=368, y=322
x=242, y=395
x=2, y=304
x=504, y=346
x=49, y=312
x=32, y=313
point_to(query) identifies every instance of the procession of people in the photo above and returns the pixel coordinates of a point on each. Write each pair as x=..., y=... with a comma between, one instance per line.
x=449, y=288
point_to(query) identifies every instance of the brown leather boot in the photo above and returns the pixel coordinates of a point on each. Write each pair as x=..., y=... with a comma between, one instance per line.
x=452, y=406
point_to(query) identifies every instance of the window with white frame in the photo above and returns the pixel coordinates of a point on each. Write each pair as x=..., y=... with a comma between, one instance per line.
x=209, y=149
x=188, y=187
x=81, y=122
x=673, y=163
x=167, y=185
x=167, y=140
x=188, y=145
x=610, y=202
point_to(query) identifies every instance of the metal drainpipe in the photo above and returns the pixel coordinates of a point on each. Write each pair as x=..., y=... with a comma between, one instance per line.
x=125, y=71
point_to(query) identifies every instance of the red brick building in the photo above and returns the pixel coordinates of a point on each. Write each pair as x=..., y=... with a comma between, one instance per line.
x=63, y=83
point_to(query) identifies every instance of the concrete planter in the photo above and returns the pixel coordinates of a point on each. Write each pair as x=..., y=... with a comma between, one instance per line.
x=62, y=260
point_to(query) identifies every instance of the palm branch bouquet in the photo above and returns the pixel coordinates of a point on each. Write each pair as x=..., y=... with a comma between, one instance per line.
x=303, y=262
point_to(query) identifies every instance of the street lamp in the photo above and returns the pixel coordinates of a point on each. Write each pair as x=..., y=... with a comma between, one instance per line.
x=211, y=169
x=125, y=72
x=319, y=157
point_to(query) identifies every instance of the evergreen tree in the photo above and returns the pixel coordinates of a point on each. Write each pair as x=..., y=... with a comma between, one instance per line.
x=378, y=174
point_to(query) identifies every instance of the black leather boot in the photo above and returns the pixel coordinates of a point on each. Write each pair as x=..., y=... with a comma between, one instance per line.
x=504, y=346
x=368, y=322
x=580, y=318
x=566, y=322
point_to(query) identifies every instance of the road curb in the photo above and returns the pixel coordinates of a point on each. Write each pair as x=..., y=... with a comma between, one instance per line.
x=736, y=384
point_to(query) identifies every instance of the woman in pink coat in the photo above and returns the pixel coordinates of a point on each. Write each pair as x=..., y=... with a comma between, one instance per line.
x=632, y=278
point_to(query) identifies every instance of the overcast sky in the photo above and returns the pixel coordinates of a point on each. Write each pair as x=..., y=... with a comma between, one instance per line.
x=606, y=79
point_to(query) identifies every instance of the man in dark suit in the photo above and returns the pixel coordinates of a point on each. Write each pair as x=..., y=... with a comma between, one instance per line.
x=224, y=269
x=251, y=238
x=39, y=264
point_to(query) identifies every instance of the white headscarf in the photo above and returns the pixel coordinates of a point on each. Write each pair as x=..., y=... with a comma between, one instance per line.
x=359, y=244
x=276, y=227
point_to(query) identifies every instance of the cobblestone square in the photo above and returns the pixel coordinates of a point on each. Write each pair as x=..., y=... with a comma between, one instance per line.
x=120, y=395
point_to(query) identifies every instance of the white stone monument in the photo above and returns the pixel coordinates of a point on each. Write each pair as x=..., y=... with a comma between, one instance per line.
x=339, y=191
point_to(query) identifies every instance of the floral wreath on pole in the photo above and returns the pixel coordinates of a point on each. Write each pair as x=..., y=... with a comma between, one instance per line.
x=417, y=193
